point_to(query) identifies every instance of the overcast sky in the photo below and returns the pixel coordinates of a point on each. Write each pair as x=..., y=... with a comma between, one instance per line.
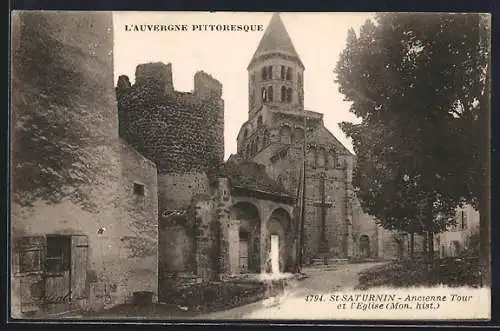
x=319, y=38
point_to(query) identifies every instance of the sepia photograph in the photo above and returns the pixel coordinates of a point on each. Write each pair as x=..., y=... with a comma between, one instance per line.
x=222, y=166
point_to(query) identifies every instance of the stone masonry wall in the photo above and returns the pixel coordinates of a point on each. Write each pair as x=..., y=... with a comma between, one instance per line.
x=141, y=212
x=180, y=132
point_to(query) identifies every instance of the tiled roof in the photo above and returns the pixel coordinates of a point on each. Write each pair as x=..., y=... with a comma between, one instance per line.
x=252, y=176
x=276, y=40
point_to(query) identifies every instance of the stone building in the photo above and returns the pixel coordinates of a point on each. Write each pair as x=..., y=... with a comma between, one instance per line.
x=69, y=253
x=275, y=135
x=460, y=236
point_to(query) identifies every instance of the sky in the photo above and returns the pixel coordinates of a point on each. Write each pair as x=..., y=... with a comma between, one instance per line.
x=319, y=38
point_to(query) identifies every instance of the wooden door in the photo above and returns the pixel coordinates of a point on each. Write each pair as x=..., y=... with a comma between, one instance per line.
x=79, y=264
x=243, y=255
x=58, y=270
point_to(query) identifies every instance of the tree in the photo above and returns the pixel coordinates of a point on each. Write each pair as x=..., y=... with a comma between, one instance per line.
x=419, y=83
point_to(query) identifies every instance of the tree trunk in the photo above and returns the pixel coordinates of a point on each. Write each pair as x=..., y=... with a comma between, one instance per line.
x=424, y=248
x=430, y=226
x=412, y=245
x=431, y=246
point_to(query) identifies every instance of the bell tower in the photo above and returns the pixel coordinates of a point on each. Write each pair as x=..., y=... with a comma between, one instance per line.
x=275, y=73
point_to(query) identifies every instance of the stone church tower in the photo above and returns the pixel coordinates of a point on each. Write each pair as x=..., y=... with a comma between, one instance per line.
x=276, y=133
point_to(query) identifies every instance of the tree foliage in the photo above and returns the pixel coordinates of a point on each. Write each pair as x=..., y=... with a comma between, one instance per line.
x=419, y=84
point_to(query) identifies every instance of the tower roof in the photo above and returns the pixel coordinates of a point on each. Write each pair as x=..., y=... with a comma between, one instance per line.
x=276, y=40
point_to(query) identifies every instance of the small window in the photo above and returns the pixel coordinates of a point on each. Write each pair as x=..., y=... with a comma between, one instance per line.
x=270, y=93
x=270, y=72
x=264, y=94
x=264, y=73
x=58, y=254
x=283, y=72
x=283, y=94
x=138, y=189
x=289, y=74
x=289, y=95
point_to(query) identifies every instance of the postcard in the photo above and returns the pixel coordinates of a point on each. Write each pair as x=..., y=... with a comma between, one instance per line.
x=249, y=165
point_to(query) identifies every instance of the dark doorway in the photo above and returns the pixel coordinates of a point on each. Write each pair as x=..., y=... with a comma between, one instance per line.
x=364, y=246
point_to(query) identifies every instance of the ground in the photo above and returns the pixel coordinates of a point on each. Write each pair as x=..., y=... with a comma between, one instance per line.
x=288, y=306
x=325, y=279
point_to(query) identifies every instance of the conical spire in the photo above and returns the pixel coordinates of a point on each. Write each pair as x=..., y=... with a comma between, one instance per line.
x=276, y=41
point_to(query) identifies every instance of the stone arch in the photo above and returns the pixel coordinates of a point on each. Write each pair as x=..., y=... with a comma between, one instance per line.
x=248, y=235
x=364, y=246
x=281, y=225
x=286, y=134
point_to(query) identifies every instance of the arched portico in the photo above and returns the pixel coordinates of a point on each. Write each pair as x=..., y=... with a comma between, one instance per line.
x=280, y=242
x=248, y=207
x=248, y=236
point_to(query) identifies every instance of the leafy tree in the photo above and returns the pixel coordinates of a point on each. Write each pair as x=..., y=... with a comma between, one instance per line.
x=419, y=83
